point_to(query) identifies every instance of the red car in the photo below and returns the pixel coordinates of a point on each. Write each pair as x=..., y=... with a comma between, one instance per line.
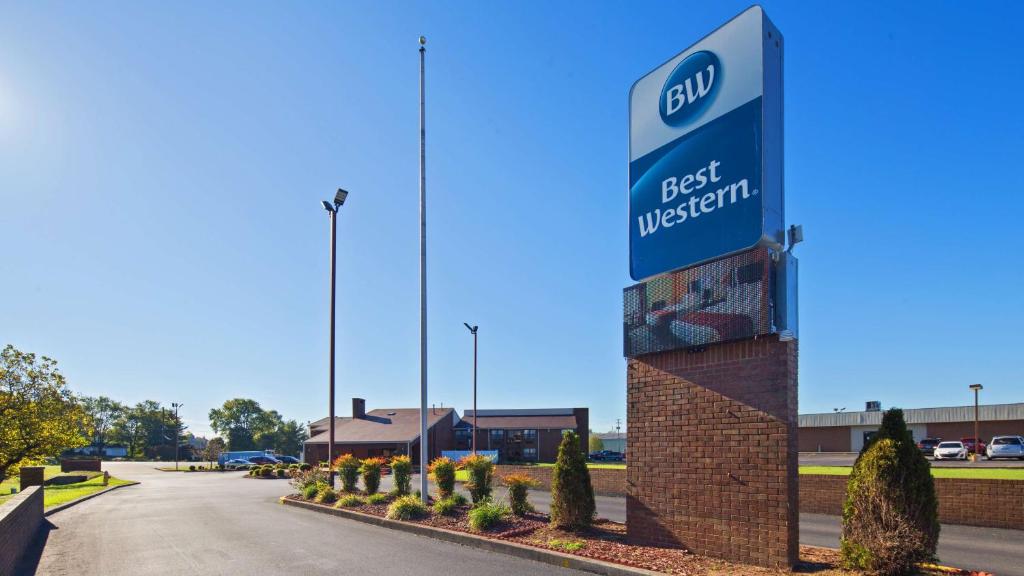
x=969, y=444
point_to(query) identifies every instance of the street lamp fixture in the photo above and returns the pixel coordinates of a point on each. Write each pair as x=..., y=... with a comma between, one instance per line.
x=332, y=211
x=472, y=330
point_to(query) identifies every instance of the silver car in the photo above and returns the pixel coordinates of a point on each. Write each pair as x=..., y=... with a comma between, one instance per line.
x=1005, y=447
x=953, y=450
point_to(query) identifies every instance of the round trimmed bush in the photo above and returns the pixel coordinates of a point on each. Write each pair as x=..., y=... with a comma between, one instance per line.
x=191, y=467
x=481, y=472
x=305, y=467
x=266, y=471
x=518, y=487
x=371, y=468
x=407, y=508
x=347, y=466
x=281, y=473
x=443, y=471
x=401, y=466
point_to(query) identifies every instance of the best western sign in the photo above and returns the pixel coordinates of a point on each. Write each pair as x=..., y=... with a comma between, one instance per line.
x=705, y=150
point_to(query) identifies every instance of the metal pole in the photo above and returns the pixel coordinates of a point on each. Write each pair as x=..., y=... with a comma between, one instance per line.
x=330, y=416
x=977, y=440
x=176, y=406
x=423, y=277
x=474, y=391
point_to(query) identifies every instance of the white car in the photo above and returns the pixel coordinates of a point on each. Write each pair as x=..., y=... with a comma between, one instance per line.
x=1005, y=447
x=954, y=450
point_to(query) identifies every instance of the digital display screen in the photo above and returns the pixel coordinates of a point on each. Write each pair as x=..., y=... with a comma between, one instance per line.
x=724, y=300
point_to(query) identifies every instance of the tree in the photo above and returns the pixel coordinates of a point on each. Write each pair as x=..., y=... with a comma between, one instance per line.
x=101, y=415
x=242, y=420
x=39, y=416
x=572, y=495
x=596, y=444
x=890, y=517
x=213, y=450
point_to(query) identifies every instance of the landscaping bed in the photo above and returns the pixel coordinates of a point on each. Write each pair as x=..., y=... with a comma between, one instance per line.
x=604, y=541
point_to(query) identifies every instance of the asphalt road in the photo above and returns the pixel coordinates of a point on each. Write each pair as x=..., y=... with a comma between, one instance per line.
x=212, y=523
x=197, y=524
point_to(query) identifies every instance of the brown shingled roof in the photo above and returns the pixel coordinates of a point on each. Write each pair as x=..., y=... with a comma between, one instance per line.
x=381, y=426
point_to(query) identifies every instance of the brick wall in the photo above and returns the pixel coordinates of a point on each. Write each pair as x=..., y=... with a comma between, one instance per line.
x=84, y=464
x=31, y=476
x=610, y=482
x=713, y=451
x=20, y=518
x=988, y=503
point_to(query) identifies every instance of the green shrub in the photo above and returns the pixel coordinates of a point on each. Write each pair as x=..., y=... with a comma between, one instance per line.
x=890, y=516
x=347, y=466
x=567, y=545
x=326, y=495
x=312, y=477
x=309, y=491
x=266, y=471
x=281, y=473
x=572, y=495
x=401, y=467
x=443, y=470
x=407, y=508
x=304, y=467
x=371, y=474
x=191, y=467
x=253, y=471
x=293, y=466
x=447, y=506
x=377, y=499
x=349, y=501
x=518, y=487
x=486, y=514
x=481, y=471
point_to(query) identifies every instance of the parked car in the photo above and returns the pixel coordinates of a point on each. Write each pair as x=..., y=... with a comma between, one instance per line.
x=1005, y=447
x=927, y=445
x=952, y=450
x=607, y=456
x=262, y=460
x=288, y=459
x=237, y=464
x=969, y=444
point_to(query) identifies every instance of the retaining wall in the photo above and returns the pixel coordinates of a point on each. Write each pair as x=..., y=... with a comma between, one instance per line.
x=20, y=518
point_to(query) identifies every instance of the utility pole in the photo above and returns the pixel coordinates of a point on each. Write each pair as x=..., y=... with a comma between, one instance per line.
x=424, y=451
x=176, y=405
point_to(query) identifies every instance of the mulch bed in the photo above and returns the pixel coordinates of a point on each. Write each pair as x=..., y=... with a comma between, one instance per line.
x=606, y=541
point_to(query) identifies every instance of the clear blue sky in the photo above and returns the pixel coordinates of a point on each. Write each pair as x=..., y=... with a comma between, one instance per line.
x=161, y=168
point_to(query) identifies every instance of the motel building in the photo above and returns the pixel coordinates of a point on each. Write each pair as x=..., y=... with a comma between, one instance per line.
x=517, y=435
x=847, y=431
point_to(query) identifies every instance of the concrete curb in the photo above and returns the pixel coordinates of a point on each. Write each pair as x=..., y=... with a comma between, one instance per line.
x=511, y=548
x=67, y=505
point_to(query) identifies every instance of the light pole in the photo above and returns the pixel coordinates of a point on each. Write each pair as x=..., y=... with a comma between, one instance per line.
x=176, y=405
x=473, y=330
x=977, y=441
x=424, y=449
x=332, y=211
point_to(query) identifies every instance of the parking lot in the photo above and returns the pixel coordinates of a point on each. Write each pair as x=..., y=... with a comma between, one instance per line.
x=847, y=458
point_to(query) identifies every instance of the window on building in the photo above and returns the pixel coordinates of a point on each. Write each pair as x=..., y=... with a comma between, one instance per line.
x=529, y=453
x=497, y=435
x=529, y=435
x=515, y=435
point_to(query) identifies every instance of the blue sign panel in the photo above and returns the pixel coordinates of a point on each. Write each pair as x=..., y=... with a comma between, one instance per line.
x=705, y=151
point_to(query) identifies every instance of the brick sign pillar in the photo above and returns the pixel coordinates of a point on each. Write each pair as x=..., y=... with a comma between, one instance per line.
x=712, y=461
x=31, y=476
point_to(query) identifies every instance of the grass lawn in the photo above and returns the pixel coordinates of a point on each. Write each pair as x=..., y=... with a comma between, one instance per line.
x=53, y=495
x=974, y=473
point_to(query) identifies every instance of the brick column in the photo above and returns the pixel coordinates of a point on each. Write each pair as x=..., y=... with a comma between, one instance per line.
x=712, y=461
x=31, y=476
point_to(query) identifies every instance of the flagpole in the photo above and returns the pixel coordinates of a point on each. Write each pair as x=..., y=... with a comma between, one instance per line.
x=424, y=452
